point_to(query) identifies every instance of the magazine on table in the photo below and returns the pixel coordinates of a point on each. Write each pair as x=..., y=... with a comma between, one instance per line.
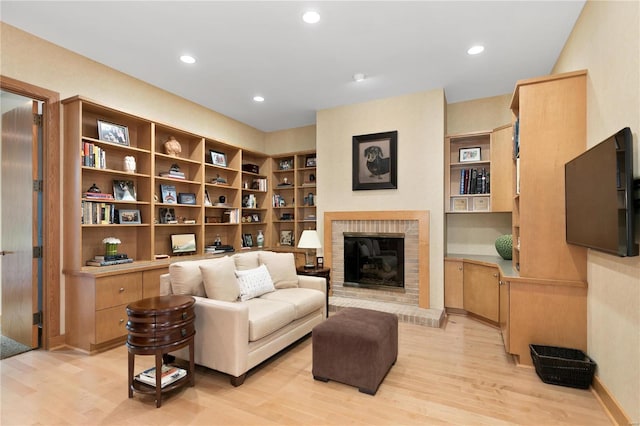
x=170, y=374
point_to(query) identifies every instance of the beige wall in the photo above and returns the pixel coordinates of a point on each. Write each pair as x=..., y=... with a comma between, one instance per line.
x=419, y=120
x=606, y=41
x=290, y=140
x=479, y=114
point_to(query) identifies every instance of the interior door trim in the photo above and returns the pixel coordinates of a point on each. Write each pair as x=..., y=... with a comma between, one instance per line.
x=51, y=333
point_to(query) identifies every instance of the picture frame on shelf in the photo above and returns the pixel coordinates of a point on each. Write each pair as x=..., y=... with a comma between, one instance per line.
x=129, y=217
x=114, y=133
x=167, y=216
x=255, y=217
x=286, y=238
x=460, y=204
x=375, y=161
x=218, y=158
x=124, y=190
x=168, y=194
x=468, y=155
x=481, y=204
x=207, y=199
x=187, y=198
x=247, y=240
x=310, y=161
x=320, y=262
x=285, y=164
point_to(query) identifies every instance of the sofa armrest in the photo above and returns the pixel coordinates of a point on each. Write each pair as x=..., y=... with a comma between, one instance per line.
x=316, y=283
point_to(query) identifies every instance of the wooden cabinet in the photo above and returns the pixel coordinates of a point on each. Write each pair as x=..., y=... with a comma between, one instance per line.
x=293, y=196
x=255, y=212
x=480, y=291
x=453, y=283
x=478, y=171
x=504, y=313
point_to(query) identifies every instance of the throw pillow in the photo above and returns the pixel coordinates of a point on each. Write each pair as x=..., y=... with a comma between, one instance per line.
x=220, y=281
x=281, y=267
x=186, y=278
x=246, y=261
x=254, y=282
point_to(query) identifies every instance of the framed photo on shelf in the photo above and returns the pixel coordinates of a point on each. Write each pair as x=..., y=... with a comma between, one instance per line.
x=187, y=198
x=310, y=161
x=459, y=204
x=469, y=154
x=286, y=164
x=247, y=240
x=481, y=204
x=375, y=161
x=168, y=193
x=255, y=217
x=129, y=217
x=114, y=133
x=218, y=158
x=207, y=200
x=320, y=262
x=167, y=215
x=124, y=190
x=286, y=238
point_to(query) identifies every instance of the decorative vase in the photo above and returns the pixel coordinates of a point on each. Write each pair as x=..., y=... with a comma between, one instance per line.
x=130, y=164
x=504, y=246
x=260, y=239
x=111, y=249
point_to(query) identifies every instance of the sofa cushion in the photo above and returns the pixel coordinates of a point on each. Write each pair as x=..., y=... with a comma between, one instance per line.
x=186, y=277
x=304, y=300
x=220, y=282
x=282, y=268
x=246, y=261
x=254, y=282
x=267, y=316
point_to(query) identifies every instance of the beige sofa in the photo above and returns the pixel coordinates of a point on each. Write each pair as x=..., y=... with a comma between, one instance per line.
x=241, y=320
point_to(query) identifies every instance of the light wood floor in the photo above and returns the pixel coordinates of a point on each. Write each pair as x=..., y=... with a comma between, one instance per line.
x=455, y=375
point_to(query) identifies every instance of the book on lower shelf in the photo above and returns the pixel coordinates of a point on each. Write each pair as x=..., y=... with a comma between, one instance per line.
x=170, y=374
x=99, y=262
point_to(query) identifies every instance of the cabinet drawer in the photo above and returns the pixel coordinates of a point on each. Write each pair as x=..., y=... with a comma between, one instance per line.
x=111, y=323
x=118, y=290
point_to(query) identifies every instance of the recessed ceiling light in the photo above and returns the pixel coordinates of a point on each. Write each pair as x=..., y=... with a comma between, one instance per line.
x=474, y=50
x=359, y=77
x=258, y=98
x=311, y=17
x=187, y=59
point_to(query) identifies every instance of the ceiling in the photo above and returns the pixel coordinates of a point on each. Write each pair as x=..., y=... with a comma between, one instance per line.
x=264, y=48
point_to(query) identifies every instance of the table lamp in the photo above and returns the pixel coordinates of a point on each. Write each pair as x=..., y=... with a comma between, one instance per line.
x=309, y=240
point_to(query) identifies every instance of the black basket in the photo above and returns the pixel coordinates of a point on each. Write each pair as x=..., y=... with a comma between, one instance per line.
x=563, y=366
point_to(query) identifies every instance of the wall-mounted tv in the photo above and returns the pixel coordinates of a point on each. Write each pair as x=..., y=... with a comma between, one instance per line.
x=183, y=243
x=599, y=197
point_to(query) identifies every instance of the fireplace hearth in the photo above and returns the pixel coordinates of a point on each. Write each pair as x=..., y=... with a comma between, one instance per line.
x=374, y=260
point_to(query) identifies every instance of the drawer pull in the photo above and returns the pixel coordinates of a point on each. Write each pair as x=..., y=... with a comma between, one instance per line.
x=183, y=332
x=184, y=315
x=121, y=289
x=121, y=320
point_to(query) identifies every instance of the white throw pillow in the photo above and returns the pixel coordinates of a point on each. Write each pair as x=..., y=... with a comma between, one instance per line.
x=254, y=282
x=282, y=268
x=186, y=278
x=220, y=281
x=248, y=260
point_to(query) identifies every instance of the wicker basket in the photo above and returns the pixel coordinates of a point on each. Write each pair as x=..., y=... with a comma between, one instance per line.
x=563, y=366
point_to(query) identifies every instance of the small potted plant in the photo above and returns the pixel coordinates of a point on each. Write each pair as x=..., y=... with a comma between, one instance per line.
x=111, y=246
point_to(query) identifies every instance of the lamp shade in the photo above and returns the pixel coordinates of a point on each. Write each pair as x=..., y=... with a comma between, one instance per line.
x=309, y=240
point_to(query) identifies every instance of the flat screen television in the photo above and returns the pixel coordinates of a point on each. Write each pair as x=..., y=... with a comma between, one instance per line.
x=183, y=243
x=599, y=197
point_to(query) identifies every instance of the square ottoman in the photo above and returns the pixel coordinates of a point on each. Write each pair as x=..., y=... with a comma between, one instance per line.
x=356, y=347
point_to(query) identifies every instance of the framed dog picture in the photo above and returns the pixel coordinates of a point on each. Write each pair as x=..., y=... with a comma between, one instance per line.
x=375, y=161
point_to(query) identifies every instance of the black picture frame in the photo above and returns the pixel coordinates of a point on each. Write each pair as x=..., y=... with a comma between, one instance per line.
x=187, y=198
x=375, y=161
x=168, y=194
x=247, y=240
x=286, y=164
x=310, y=161
x=218, y=158
x=114, y=133
x=124, y=190
x=167, y=216
x=129, y=217
x=183, y=244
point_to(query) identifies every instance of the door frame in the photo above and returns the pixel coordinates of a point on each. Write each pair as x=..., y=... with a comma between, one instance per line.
x=51, y=202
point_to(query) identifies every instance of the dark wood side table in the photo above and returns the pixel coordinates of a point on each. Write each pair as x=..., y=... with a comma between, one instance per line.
x=319, y=272
x=157, y=326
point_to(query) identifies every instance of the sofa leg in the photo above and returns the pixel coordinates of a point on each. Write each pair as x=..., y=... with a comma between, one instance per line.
x=237, y=381
x=322, y=379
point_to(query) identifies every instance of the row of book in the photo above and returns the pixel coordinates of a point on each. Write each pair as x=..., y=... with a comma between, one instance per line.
x=234, y=215
x=174, y=174
x=169, y=375
x=278, y=201
x=102, y=261
x=96, y=213
x=260, y=184
x=474, y=181
x=516, y=138
x=93, y=156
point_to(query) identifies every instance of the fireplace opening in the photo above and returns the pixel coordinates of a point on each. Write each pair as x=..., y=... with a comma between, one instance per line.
x=374, y=260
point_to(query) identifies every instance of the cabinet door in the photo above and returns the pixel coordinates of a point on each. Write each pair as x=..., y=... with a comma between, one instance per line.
x=502, y=169
x=480, y=291
x=453, y=275
x=504, y=312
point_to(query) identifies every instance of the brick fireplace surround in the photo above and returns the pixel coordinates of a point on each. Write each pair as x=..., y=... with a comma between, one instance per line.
x=412, y=304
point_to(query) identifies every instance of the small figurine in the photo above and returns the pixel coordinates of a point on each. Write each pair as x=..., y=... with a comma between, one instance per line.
x=172, y=147
x=130, y=164
x=94, y=189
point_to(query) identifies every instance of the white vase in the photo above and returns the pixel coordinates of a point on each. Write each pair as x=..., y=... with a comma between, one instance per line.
x=260, y=239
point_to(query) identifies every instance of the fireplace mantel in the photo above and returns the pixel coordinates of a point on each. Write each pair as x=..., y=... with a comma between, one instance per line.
x=420, y=216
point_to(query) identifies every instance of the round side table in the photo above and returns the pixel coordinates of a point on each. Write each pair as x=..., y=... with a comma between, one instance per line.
x=157, y=326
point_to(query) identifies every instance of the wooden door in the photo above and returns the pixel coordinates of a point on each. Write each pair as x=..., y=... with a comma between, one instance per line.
x=481, y=294
x=502, y=169
x=504, y=312
x=453, y=291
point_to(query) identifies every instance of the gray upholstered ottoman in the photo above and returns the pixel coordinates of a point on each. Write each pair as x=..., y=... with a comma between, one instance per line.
x=355, y=346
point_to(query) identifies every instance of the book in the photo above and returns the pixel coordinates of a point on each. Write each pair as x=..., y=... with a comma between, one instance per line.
x=169, y=195
x=170, y=374
x=108, y=262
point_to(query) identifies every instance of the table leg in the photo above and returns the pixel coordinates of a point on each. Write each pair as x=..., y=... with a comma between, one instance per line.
x=130, y=377
x=192, y=364
x=158, y=379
